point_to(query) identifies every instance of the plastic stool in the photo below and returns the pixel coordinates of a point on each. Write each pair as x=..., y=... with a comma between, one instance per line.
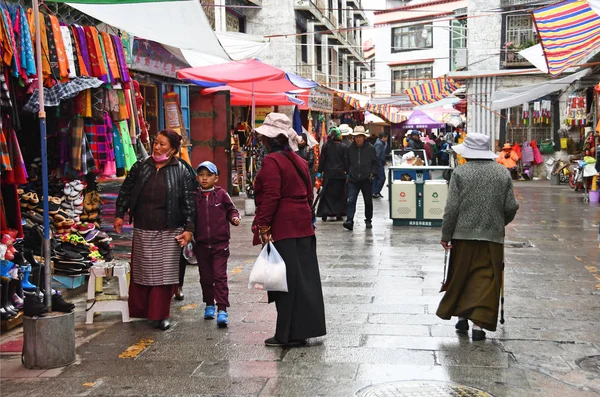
x=107, y=303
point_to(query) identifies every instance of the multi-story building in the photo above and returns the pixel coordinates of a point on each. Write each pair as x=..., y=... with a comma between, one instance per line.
x=418, y=40
x=318, y=39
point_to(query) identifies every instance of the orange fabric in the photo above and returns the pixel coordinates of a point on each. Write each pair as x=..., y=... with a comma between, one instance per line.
x=96, y=57
x=61, y=52
x=508, y=158
x=109, y=49
x=6, y=46
x=46, y=71
x=82, y=68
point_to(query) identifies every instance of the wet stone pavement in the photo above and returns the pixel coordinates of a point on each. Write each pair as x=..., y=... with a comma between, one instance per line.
x=381, y=293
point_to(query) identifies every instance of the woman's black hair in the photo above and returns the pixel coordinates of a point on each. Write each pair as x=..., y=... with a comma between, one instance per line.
x=279, y=143
x=173, y=137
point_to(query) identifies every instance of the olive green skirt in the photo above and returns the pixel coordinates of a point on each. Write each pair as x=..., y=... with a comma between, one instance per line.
x=472, y=289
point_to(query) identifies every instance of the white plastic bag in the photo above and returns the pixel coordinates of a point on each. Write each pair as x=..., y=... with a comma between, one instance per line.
x=268, y=272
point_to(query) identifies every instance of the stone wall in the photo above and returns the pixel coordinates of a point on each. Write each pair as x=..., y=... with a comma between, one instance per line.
x=484, y=37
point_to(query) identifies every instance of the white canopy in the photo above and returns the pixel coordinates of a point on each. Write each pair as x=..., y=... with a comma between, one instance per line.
x=517, y=96
x=180, y=24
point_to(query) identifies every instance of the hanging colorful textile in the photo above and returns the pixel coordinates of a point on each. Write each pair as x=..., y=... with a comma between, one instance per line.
x=98, y=68
x=76, y=145
x=5, y=163
x=118, y=146
x=124, y=71
x=139, y=102
x=87, y=159
x=568, y=31
x=111, y=56
x=69, y=52
x=100, y=143
x=7, y=48
x=546, y=111
x=128, y=150
x=432, y=91
x=80, y=68
x=15, y=60
x=61, y=53
x=46, y=69
x=105, y=60
x=81, y=40
x=52, y=52
x=525, y=114
x=27, y=58
x=576, y=110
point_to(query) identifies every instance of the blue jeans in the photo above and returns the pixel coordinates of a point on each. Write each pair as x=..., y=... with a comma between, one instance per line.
x=379, y=180
x=354, y=188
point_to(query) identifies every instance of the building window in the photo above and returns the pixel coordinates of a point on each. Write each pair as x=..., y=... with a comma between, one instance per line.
x=458, y=44
x=407, y=76
x=414, y=37
x=520, y=33
x=372, y=67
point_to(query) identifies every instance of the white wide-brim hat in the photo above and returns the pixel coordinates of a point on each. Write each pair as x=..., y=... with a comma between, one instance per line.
x=345, y=129
x=279, y=124
x=475, y=146
x=359, y=130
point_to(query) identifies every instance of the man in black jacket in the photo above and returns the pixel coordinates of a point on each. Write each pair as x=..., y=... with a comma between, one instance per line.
x=361, y=166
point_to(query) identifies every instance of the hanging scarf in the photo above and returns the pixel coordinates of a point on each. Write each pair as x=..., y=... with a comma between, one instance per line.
x=7, y=49
x=14, y=62
x=27, y=58
x=75, y=51
x=111, y=56
x=118, y=46
x=61, y=52
x=123, y=111
x=82, y=49
x=104, y=59
x=46, y=70
x=66, y=37
x=98, y=69
x=52, y=52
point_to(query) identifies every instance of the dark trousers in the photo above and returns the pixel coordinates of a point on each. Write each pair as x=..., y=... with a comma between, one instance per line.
x=379, y=180
x=212, y=264
x=354, y=188
x=182, y=264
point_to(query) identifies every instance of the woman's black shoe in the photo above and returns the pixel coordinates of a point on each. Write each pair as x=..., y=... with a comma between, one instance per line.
x=164, y=324
x=462, y=326
x=60, y=305
x=324, y=218
x=179, y=294
x=272, y=342
x=477, y=335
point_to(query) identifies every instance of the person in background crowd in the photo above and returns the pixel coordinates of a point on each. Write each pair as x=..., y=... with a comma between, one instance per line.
x=284, y=196
x=414, y=141
x=473, y=229
x=158, y=194
x=182, y=261
x=346, y=131
x=361, y=167
x=215, y=212
x=379, y=179
x=509, y=159
x=307, y=154
x=332, y=169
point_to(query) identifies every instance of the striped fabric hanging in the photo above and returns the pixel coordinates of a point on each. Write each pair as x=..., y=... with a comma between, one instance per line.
x=568, y=31
x=432, y=91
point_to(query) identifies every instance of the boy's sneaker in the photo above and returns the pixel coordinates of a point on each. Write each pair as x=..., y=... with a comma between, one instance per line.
x=222, y=319
x=209, y=312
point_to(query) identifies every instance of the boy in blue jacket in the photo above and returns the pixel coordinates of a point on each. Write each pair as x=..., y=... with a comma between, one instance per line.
x=215, y=211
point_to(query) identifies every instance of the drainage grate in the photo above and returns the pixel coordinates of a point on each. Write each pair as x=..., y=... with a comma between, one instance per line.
x=591, y=363
x=421, y=389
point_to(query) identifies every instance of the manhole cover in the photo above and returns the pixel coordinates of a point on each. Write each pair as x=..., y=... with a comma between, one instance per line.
x=421, y=389
x=591, y=363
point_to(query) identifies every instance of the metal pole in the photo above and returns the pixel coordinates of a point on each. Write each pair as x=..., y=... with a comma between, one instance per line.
x=42, y=116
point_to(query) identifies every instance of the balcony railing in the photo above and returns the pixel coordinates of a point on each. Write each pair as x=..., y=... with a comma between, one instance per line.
x=321, y=5
x=321, y=78
x=333, y=19
x=304, y=71
x=513, y=60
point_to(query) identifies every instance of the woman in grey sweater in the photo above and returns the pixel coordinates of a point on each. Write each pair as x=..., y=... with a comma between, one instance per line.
x=481, y=202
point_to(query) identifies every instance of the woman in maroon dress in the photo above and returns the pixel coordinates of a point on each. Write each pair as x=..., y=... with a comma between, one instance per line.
x=284, y=196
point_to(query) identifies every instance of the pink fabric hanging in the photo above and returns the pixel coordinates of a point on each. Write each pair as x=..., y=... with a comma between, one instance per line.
x=527, y=153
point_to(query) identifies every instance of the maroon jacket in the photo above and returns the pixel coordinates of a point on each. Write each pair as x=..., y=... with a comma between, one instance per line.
x=282, y=197
x=213, y=215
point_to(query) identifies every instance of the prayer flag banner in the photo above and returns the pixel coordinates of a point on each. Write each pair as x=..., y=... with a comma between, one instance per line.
x=386, y=112
x=432, y=91
x=568, y=31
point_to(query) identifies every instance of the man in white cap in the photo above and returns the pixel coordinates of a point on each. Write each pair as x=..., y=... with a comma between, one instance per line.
x=361, y=167
x=481, y=202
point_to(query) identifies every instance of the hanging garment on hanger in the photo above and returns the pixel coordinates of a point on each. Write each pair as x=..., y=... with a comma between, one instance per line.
x=88, y=163
x=105, y=60
x=111, y=56
x=527, y=153
x=18, y=174
x=76, y=144
x=52, y=51
x=5, y=100
x=120, y=51
x=111, y=104
x=82, y=49
x=15, y=62
x=5, y=162
x=46, y=70
x=118, y=146
x=123, y=111
x=27, y=58
x=98, y=68
x=7, y=49
x=66, y=37
x=128, y=150
x=139, y=102
x=61, y=52
x=80, y=69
